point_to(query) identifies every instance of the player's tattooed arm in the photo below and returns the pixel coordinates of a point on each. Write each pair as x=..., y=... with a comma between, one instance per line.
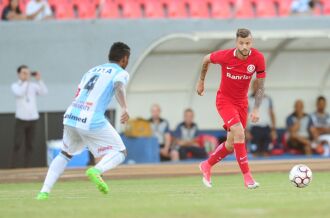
x=260, y=92
x=205, y=67
x=121, y=98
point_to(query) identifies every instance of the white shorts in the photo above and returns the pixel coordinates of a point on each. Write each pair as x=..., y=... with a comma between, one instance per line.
x=99, y=141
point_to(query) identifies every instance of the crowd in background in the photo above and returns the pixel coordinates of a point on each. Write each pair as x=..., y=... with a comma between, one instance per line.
x=41, y=9
x=304, y=133
x=35, y=10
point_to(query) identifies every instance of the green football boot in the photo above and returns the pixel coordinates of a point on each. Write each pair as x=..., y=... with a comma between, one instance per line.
x=94, y=175
x=42, y=196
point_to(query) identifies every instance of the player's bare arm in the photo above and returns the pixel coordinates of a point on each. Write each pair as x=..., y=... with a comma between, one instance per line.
x=258, y=99
x=121, y=98
x=205, y=67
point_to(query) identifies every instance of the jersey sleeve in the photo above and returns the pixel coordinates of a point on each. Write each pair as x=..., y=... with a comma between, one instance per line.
x=48, y=11
x=289, y=121
x=29, y=9
x=261, y=67
x=122, y=77
x=167, y=127
x=217, y=57
x=177, y=133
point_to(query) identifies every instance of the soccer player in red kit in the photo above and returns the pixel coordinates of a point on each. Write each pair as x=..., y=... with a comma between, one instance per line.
x=238, y=66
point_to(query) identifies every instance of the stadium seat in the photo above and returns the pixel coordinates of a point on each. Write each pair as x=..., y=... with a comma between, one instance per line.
x=245, y=9
x=152, y=8
x=325, y=7
x=86, y=9
x=63, y=9
x=174, y=9
x=131, y=8
x=284, y=7
x=220, y=9
x=22, y=5
x=3, y=3
x=197, y=8
x=266, y=8
x=110, y=10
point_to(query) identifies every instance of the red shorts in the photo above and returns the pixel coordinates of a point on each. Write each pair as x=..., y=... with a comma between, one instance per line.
x=232, y=113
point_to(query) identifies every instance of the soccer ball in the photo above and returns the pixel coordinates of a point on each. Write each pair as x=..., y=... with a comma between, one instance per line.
x=300, y=176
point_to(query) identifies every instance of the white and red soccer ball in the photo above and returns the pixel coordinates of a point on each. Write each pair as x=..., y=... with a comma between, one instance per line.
x=300, y=176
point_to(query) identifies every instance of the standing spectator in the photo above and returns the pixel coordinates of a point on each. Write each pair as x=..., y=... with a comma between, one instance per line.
x=12, y=11
x=161, y=131
x=27, y=114
x=321, y=126
x=298, y=126
x=38, y=10
x=304, y=7
x=263, y=132
x=185, y=134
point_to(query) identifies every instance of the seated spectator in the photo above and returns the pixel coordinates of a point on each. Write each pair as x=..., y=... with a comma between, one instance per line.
x=12, y=12
x=161, y=131
x=185, y=138
x=321, y=127
x=298, y=126
x=38, y=10
x=263, y=132
x=304, y=7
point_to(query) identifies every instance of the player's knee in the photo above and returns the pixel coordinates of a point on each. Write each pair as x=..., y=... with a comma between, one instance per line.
x=66, y=154
x=124, y=152
x=238, y=132
x=229, y=145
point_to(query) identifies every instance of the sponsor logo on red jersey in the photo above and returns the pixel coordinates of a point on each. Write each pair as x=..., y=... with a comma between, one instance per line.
x=237, y=77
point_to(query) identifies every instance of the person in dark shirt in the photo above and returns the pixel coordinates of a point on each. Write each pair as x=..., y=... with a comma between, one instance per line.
x=298, y=126
x=185, y=135
x=12, y=11
x=161, y=131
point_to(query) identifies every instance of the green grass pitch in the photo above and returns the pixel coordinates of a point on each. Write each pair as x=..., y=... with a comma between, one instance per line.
x=172, y=197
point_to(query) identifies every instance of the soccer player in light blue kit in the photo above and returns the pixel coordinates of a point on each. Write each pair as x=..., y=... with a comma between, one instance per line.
x=85, y=123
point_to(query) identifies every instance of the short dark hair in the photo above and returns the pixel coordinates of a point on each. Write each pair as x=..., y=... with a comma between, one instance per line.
x=321, y=98
x=243, y=33
x=188, y=110
x=118, y=51
x=21, y=68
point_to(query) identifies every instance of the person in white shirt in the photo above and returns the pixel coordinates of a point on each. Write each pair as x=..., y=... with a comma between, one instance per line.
x=38, y=10
x=27, y=115
x=304, y=7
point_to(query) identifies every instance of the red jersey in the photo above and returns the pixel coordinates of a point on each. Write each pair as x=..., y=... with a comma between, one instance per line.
x=237, y=73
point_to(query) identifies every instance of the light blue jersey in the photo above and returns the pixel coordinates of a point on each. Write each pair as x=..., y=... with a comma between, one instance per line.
x=94, y=94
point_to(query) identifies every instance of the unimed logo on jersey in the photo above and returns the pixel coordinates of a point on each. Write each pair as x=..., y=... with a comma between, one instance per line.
x=73, y=117
x=238, y=77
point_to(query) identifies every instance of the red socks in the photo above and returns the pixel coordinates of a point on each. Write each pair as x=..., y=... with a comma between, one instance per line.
x=219, y=153
x=241, y=157
x=240, y=153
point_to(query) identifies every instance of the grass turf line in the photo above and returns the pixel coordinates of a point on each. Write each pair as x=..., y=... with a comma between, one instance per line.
x=172, y=197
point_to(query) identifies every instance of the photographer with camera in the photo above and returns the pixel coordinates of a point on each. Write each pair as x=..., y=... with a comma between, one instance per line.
x=26, y=92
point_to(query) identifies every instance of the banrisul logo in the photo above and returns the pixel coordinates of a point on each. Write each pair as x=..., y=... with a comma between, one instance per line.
x=238, y=77
x=75, y=118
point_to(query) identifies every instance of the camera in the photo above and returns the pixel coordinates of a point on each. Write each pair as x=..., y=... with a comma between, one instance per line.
x=34, y=73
